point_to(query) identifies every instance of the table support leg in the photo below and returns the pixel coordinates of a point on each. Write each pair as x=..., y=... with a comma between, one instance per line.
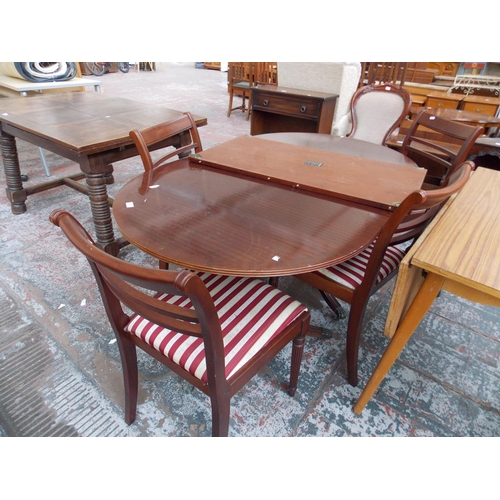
x=419, y=307
x=101, y=213
x=15, y=192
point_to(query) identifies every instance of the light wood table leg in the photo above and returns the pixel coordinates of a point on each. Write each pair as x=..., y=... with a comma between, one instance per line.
x=419, y=307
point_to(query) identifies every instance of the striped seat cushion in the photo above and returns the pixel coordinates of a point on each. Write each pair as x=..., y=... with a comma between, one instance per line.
x=251, y=314
x=351, y=272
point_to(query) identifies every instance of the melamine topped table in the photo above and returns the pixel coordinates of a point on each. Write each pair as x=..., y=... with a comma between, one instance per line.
x=459, y=252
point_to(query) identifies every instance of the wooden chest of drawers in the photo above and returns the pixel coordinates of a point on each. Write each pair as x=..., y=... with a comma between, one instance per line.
x=443, y=100
x=281, y=109
x=481, y=104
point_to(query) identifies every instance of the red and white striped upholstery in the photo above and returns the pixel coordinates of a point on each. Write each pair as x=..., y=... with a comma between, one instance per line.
x=351, y=272
x=251, y=313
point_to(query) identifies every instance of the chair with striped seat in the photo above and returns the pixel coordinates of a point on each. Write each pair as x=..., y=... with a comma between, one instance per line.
x=355, y=280
x=214, y=331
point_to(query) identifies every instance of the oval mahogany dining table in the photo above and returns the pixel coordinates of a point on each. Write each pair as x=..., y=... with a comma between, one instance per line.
x=206, y=219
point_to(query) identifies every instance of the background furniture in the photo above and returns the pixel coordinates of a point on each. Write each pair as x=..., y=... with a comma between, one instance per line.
x=450, y=261
x=377, y=110
x=439, y=145
x=243, y=76
x=282, y=109
x=23, y=87
x=339, y=78
x=199, y=326
x=481, y=104
x=240, y=82
x=443, y=100
x=469, y=83
x=378, y=73
x=89, y=128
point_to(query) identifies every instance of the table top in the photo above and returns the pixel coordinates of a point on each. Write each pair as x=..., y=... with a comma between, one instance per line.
x=362, y=149
x=295, y=92
x=84, y=122
x=216, y=220
x=467, y=117
x=464, y=245
x=345, y=174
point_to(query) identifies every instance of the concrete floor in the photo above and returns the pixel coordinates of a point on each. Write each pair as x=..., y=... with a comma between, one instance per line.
x=60, y=373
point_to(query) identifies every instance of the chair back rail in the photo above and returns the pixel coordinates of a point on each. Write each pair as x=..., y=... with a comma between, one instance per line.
x=439, y=145
x=183, y=129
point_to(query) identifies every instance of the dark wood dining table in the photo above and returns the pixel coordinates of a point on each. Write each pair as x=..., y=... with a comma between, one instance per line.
x=231, y=222
x=89, y=128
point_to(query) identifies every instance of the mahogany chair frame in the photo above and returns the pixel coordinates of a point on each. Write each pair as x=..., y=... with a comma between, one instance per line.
x=121, y=282
x=151, y=138
x=383, y=72
x=439, y=145
x=406, y=223
x=386, y=87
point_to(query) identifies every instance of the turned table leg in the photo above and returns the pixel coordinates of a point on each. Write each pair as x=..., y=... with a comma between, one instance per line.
x=101, y=213
x=15, y=192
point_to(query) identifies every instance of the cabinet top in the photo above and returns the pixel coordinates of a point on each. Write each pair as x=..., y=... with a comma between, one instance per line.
x=294, y=92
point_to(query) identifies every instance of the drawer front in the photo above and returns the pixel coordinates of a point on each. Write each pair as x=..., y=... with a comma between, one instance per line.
x=434, y=102
x=286, y=106
x=487, y=109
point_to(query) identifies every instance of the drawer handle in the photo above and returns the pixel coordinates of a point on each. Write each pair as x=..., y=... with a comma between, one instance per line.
x=440, y=104
x=303, y=109
x=479, y=110
x=266, y=102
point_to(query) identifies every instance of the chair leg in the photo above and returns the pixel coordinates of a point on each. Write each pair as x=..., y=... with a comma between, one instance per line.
x=355, y=323
x=230, y=103
x=297, y=352
x=220, y=416
x=128, y=356
x=249, y=109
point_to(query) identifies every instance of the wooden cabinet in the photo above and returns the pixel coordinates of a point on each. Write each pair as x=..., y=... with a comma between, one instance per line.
x=444, y=68
x=481, y=104
x=212, y=65
x=443, y=100
x=281, y=109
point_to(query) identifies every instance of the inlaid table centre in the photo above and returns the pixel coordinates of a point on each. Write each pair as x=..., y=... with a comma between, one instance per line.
x=89, y=128
x=259, y=215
